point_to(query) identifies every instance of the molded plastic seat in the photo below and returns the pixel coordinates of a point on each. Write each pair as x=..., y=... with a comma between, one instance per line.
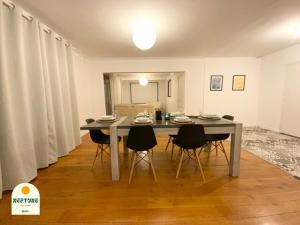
x=190, y=137
x=101, y=139
x=140, y=139
x=215, y=140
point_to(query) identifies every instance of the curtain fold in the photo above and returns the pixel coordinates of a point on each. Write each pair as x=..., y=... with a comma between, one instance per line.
x=1, y=69
x=73, y=97
x=39, y=115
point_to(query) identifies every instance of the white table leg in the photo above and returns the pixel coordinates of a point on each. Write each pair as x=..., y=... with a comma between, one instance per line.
x=125, y=149
x=235, y=151
x=114, y=149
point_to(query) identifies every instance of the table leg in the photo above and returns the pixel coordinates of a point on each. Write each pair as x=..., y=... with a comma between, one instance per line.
x=235, y=151
x=114, y=145
x=125, y=149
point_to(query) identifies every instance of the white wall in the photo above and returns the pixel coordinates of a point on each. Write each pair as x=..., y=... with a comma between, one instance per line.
x=243, y=105
x=290, y=122
x=272, y=85
x=90, y=97
x=197, y=97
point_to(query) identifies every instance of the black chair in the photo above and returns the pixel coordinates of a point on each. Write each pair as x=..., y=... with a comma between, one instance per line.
x=140, y=139
x=215, y=140
x=101, y=139
x=171, y=138
x=190, y=137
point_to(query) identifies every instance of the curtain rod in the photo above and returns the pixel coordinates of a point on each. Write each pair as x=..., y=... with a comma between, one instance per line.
x=11, y=5
x=27, y=16
x=48, y=31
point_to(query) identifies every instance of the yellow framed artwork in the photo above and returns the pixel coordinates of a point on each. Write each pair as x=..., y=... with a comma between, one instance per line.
x=238, y=82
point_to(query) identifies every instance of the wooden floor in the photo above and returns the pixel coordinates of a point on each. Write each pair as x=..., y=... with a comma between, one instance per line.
x=73, y=194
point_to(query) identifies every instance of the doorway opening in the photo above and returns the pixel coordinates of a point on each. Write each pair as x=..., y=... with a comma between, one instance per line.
x=127, y=94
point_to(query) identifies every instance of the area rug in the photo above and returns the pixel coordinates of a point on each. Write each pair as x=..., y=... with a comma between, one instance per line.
x=276, y=148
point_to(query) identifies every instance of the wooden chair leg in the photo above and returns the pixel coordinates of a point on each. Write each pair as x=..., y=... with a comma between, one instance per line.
x=209, y=149
x=216, y=147
x=97, y=152
x=168, y=144
x=152, y=167
x=172, y=151
x=200, y=151
x=179, y=152
x=101, y=152
x=132, y=166
x=180, y=163
x=199, y=165
x=106, y=151
x=132, y=154
x=223, y=150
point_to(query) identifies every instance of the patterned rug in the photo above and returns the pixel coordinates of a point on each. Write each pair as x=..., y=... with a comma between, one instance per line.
x=276, y=148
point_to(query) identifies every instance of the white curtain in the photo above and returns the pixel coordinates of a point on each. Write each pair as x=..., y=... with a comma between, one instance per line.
x=38, y=110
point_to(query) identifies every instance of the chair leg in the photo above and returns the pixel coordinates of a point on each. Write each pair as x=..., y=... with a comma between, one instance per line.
x=223, y=150
x=199, y=165
x=132, y=166
x=152, y=153
x=180, y=163
x=97, y=152
x=200, y=151
x=172, y=151
x=209, y=149
x=132, y=154
x=168, y=144
x=152, y=167
x=104, y=150
x=216, y=147
x=179, y=152
x=101, y=152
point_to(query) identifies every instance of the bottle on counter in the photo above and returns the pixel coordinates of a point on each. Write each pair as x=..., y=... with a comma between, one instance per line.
x=158, y=114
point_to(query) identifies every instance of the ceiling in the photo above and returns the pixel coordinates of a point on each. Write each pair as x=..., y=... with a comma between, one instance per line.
x=185, y=28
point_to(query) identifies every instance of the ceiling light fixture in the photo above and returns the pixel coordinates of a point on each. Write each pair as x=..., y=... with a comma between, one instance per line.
x=144, y=36
x=143, y=81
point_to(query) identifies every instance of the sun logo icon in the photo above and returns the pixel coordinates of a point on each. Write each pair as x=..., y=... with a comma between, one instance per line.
x=25, y=190
x=25, y=200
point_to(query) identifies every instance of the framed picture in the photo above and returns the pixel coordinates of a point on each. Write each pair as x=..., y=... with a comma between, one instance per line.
x=238, y=82
x=216, y=82
x=169, y=88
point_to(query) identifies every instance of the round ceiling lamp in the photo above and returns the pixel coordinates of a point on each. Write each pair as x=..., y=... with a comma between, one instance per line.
x=144, y=37
x=143, y=81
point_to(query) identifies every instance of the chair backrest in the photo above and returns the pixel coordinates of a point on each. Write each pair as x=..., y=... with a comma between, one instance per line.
x=191, y=136
x=141, y=138
x=225, y=136
x=228, y=117
x=90, y=120
x=96, y=135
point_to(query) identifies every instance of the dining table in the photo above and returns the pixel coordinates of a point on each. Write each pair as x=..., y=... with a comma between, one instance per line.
x=122, y=125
